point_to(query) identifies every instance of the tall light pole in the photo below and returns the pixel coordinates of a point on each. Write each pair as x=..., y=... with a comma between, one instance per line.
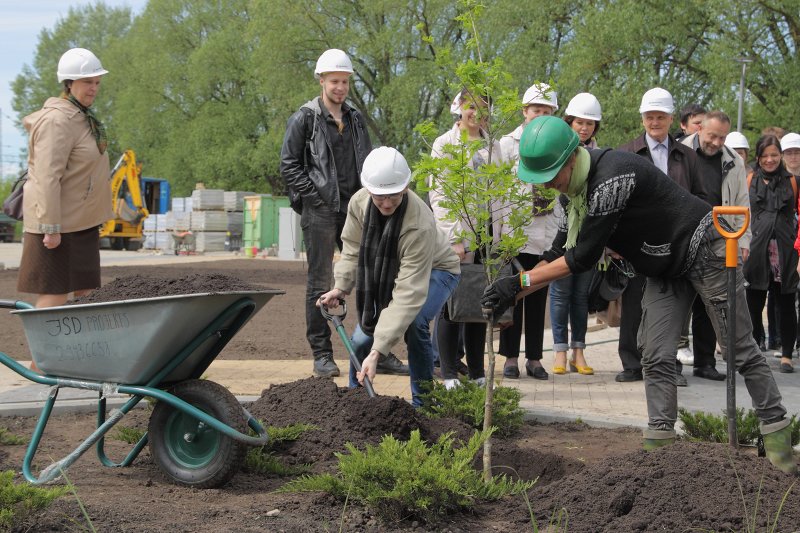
x=744, y=61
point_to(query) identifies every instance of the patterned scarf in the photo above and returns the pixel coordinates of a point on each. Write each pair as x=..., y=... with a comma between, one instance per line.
x=378, y=263
x=577, y=206
x=98, y=130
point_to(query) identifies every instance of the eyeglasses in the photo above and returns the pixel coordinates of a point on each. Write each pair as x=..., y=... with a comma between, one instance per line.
x=382, y=197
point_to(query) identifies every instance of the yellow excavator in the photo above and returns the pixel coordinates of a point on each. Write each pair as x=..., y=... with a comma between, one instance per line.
x=125, y=230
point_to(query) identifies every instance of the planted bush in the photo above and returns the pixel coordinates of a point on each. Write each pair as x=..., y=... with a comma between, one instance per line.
x=466, y=403
x=17, y=501
x=708, y=427
x=406, y=480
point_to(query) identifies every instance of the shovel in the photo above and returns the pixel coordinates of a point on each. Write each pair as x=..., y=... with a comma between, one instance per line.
x=337, y=319
x=731, y=257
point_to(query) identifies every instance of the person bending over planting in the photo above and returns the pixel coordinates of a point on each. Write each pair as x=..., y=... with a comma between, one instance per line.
x=621, y=200
x=402, y=267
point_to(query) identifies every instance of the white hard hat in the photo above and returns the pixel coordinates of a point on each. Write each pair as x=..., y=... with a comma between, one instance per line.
x=790, y=140
x=584, y=105
x=455, y=107
x=385, y=171
x=657, y=99
x=736, y=140
x=78, y=63
x=333, y=60
x=540, y=93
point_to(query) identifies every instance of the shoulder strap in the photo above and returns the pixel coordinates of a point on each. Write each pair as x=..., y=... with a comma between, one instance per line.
x=749, y=179
x=793, y=181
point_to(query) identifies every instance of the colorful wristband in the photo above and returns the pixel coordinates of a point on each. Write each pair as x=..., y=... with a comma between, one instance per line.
x=524, y=279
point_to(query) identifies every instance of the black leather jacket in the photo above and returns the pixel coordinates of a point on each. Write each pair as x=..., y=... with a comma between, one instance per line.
x=307, y=164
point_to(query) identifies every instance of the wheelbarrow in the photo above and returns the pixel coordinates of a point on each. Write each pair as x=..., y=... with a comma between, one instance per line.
x=147, y=348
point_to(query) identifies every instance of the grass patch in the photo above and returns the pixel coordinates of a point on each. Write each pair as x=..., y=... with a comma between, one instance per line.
x=9, y=439
x=262, y=460
x=466, y=403
x=405, y=480
x=708, y=427
x=18, y=501
x=128, y=434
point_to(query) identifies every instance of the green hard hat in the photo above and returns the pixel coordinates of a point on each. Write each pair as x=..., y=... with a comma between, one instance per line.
x=545, y=145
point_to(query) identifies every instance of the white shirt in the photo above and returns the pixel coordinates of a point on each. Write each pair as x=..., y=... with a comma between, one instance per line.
x=659, y=152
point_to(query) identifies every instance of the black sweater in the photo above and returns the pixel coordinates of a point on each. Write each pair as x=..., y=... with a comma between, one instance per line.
x=638, y=212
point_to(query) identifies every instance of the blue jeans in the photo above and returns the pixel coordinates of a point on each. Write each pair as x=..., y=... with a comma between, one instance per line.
x=569, y=301
x=417, y=337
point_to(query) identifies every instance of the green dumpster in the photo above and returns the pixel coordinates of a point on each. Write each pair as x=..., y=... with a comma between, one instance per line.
x=261, y=220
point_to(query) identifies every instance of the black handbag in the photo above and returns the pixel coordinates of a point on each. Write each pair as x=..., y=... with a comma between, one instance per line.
x=464, y=304
x=12, y=206
x=608, y=284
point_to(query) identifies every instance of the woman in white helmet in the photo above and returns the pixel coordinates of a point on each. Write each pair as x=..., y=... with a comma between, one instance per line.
x=790, y=144
x=473, y=112
x=539, y=100
x=67, y=195
x=569, y=297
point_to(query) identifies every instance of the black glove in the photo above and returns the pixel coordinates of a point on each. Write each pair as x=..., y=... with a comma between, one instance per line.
x=501, y=295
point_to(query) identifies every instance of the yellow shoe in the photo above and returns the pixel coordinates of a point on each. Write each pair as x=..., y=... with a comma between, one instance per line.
x=585, y=370
x=560, y=368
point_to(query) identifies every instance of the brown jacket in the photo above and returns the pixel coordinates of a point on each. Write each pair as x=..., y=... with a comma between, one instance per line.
x=68, y=185
x=681, y=163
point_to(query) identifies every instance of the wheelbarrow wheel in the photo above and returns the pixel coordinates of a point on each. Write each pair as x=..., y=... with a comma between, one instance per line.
x=186, y=450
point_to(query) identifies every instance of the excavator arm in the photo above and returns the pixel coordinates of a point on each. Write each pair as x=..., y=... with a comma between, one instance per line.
x=126, y=196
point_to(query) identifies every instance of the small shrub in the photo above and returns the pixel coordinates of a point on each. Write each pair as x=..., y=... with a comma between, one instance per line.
x=9, y=439
x=466, y=403
x=707, y=427
x=404, y=480
x=17, y=501
x=128, y=434
x=263, y=461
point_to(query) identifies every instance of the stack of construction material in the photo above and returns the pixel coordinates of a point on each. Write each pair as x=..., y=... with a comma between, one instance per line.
x=178, y=221
x=209, y=220
x=236, y=223
x=208, y=200
x=210, y=241
x=155, y=234
x=234, y=200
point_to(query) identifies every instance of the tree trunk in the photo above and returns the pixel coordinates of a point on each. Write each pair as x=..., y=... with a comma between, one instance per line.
x=487, y=406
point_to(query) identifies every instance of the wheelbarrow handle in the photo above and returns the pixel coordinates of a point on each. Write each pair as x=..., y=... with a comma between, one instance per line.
x=731, y=238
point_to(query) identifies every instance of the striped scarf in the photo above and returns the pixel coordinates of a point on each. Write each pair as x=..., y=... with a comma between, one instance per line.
x=98, y=130
x=378, y=263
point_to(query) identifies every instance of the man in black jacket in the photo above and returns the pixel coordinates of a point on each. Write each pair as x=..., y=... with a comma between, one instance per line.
x=621, y=201
x=678, y=162
x=323, y=150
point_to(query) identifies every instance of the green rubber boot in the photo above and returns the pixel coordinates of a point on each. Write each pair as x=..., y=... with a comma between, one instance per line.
x=656, y=438
x=778, y=445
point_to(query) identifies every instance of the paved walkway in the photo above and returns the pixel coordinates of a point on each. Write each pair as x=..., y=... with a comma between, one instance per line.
x=597, y=399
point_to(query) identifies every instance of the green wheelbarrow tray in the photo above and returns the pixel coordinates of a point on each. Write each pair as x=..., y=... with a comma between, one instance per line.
x=156, y=348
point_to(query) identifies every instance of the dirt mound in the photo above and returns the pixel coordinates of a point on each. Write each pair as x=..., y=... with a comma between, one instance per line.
x=342, y=415
x=137, y=286
x=677, y=488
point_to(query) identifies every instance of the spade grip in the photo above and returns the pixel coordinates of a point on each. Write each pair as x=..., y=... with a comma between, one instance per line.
x=731, y=238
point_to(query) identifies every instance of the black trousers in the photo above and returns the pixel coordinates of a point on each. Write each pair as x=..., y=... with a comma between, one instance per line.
x=788, y=315
x=532, y=320
x=704, y=340
x=629, y=322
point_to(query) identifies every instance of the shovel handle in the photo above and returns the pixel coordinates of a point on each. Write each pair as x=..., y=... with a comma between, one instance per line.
x=337, y=319
x=731, y=237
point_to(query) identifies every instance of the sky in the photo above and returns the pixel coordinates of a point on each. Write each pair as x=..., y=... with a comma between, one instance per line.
x=20, y=24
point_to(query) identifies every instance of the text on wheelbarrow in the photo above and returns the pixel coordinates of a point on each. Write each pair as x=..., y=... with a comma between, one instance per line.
x=72, y=325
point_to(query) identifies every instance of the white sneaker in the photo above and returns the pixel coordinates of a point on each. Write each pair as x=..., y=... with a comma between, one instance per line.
x=480, y=382
x=451, y=384
x=686, y=356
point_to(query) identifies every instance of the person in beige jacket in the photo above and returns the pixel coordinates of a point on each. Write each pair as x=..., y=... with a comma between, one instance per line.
x=67, y=194
x=401, y=266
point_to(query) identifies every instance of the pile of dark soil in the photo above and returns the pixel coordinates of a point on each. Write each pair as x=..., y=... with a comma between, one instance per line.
x=687, y=486
x=343, y=415
x=137, y=286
